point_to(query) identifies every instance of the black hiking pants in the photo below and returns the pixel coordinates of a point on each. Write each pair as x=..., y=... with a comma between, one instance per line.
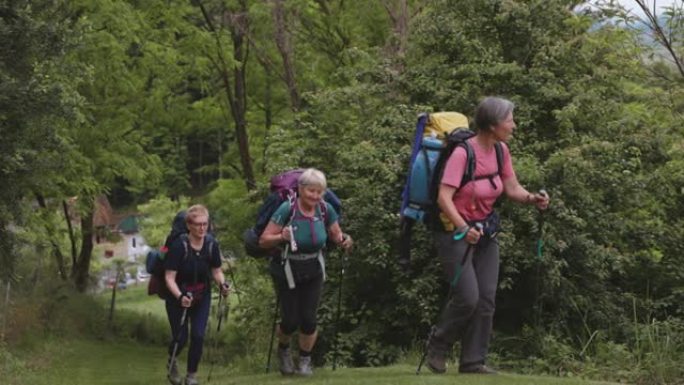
x=197, y=317
x=298, y=306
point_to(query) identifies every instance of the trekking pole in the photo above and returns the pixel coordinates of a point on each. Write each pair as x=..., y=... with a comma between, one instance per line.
x=270, y=345
x=232, y=274
x=540, y=246
x=232, y=278
x=222, y=311
x=452, y=286
x=540, y=240
x=177, y=337
x=339, y=306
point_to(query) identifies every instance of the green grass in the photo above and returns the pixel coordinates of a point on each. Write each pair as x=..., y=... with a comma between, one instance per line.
x=58, y=361
x=88, y=362
x=135, y=298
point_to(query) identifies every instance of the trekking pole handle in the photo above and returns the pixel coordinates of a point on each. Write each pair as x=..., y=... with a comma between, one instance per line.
x=479, y=226
x=293, y=243
x=184, y=294
x=544, y=194
x=185, y=309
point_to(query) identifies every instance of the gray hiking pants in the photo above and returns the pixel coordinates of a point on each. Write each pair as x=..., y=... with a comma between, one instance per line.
x=469, y=311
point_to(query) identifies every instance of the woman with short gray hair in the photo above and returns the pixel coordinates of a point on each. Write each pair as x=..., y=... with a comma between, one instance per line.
x=466, y=247
x=298, y=275
x=312, y=177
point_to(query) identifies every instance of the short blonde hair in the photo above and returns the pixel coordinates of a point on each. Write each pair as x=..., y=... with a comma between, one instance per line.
x=196, y=211
x=312, y=177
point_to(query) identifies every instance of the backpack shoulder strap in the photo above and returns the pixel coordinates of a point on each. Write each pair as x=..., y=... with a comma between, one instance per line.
x=292, y=200
x=186, y=245
x=469, y=171
x=498, y=146
x=324, y=211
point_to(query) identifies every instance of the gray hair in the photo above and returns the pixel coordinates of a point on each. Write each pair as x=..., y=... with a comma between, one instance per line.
x=491, y=111
x=312, y=177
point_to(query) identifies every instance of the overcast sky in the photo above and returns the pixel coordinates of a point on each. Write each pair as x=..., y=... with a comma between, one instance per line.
x=631, y=4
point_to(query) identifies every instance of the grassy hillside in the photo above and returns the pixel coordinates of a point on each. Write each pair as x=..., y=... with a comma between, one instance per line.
x=87, y=362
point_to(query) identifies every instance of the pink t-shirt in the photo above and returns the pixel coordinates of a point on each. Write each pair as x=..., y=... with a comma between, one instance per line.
x=476, y=199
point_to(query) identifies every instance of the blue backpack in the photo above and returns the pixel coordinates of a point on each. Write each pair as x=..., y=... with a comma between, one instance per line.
x=437, y=136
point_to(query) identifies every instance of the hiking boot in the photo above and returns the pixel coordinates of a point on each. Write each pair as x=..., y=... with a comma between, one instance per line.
x=285, y=360
x=305, y=368
x=173, y=375
x=477, y=369
x=436, y=361
x=191, y=379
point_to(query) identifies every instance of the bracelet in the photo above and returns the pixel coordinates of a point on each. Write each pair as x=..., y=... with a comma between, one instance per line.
x=461, y=234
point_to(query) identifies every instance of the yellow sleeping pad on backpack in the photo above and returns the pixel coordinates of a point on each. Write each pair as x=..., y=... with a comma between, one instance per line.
x=442, y=123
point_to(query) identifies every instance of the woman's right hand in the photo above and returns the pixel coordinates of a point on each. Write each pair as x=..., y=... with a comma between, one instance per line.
x=185, y=300
x=473, y=235
x=286, y=233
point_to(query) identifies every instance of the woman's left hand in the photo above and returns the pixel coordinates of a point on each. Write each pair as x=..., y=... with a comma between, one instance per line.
x=541, y=200
x=347, y=242
x=225, y=289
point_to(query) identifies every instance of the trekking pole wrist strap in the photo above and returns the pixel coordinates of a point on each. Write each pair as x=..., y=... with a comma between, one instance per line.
x=461, y=232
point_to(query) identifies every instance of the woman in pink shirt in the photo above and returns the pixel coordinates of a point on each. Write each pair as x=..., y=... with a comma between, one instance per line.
x=469, y=254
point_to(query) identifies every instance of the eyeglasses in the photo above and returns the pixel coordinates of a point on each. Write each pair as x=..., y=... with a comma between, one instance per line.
x=199, y=224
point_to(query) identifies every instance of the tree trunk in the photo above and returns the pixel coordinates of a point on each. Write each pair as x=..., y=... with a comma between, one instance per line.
x=72, y=239
x=59, y=257
x=7, y=256
x=284, y=44
x=268, y=117
x=398, y=12
x=238, y=25
x=82, y=267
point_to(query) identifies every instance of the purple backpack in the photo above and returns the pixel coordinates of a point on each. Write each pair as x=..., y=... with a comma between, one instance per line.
x=283, y=187
x=286, y=183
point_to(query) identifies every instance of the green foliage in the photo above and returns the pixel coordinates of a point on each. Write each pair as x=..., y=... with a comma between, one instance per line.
x=35, y=104
x=120, y=95
x=232, y=212
x=156, y=217
x=586, y=132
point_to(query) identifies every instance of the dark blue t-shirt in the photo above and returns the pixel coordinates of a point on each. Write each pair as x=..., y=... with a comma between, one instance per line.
x=196, y=267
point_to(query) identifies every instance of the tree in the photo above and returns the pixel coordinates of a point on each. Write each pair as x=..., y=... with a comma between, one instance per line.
x=235, y=19
x=284, y=44
x=37, y=103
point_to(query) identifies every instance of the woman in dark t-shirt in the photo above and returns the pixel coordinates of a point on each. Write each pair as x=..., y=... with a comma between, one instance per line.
x=192, y=260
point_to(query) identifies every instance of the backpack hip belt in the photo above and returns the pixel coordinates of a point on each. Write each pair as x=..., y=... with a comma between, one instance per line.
x=304, y=256
x=297, y=257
